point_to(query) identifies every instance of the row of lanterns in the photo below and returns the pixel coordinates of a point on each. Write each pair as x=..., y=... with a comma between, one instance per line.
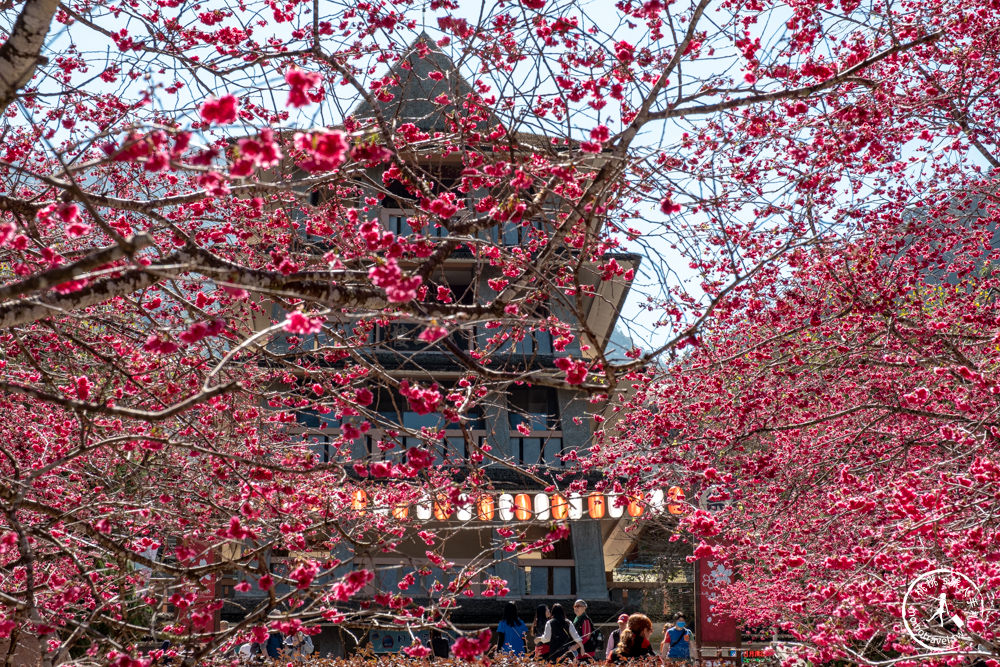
x=527, y=507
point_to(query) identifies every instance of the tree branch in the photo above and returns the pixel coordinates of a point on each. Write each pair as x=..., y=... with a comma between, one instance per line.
x=143, y=415
x=73, y=270
x=795, y=93
x=21, y=52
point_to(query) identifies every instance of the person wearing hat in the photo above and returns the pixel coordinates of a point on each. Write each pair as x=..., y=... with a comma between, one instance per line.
x=585, y=628
x=616, y=636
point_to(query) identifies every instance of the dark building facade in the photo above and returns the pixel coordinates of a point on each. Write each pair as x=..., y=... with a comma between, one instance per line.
x=525, y=426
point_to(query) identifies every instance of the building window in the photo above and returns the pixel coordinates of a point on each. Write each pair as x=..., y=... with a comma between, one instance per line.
x=521, y=233
x=396, y=410
x=533, y=451
x=549, y=573
x=397, y=221
x=535, y=407
x=535, y=426
x=541, y=580
x=385, y=439
x=530, y=341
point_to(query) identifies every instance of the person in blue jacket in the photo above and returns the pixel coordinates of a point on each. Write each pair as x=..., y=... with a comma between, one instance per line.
x=511, y=631
x=273, y=647
x=677, y=640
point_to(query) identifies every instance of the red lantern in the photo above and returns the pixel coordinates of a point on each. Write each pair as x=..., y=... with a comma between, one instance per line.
x=560, y=508
x=400, y=512
x=522, y=507
x=675, y=496
x=635, y=507
x=596, y=506
x=442, y=508
x=358, y=501
x=485, y=508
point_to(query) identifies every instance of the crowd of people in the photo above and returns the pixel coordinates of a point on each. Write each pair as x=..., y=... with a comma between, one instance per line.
x=296, y=647
x=552, y=637
x=555, y=638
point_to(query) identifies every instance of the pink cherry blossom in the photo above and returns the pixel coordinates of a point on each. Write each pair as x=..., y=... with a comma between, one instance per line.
x=576, y=370
x=304, y=87
x=300, y=323
x=219, y=111
x=470, y=648
x=326, y=150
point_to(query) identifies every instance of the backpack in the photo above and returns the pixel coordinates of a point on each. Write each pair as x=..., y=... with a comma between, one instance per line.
x=596, y=640
x=561, y=642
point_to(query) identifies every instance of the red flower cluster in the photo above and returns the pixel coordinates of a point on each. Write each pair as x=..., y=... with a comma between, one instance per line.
x=236, y=530
x=220, y=111
x=432, y=334
x=261, y=152
x=468, y=648
x=305, y=87
x=576, y=371
x=299, y=323
x=417, y=650
x=669, y=207
x=422, y=401
x=444, y=206
x=418, y=458
x=160, y=345
x=624, y=52
x=398, y=288
x=303, y=574
x=200, y=330
x=351, y=584
x=83, y=386
x=326, y=149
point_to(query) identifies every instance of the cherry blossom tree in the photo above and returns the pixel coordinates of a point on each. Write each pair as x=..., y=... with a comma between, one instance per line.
x=194, y=271
x=837, y=432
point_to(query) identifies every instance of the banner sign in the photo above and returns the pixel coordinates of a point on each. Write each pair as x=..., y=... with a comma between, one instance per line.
x=713, y=627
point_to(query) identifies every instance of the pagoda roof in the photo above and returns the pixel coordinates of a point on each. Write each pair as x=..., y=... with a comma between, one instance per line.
x=415, y=89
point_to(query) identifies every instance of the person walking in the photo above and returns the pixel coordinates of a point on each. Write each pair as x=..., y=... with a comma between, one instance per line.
x=676, y=640
x=616, y=636
x=634, y=644
x=542, y=615
x=271, y=648
x=164, y=658
x=439, y=644
x=298, y=646
x=585, y=628
x=244, y=654
x=511, y=631
x=560, y=635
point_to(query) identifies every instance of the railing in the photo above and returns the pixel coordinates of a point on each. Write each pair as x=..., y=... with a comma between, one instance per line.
x=636, y=572
x=405, y=337
x=533, y=343
x=511, y=234
x=397, y=221
x=666, y=571
x=538, y=448
x=454, y=447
